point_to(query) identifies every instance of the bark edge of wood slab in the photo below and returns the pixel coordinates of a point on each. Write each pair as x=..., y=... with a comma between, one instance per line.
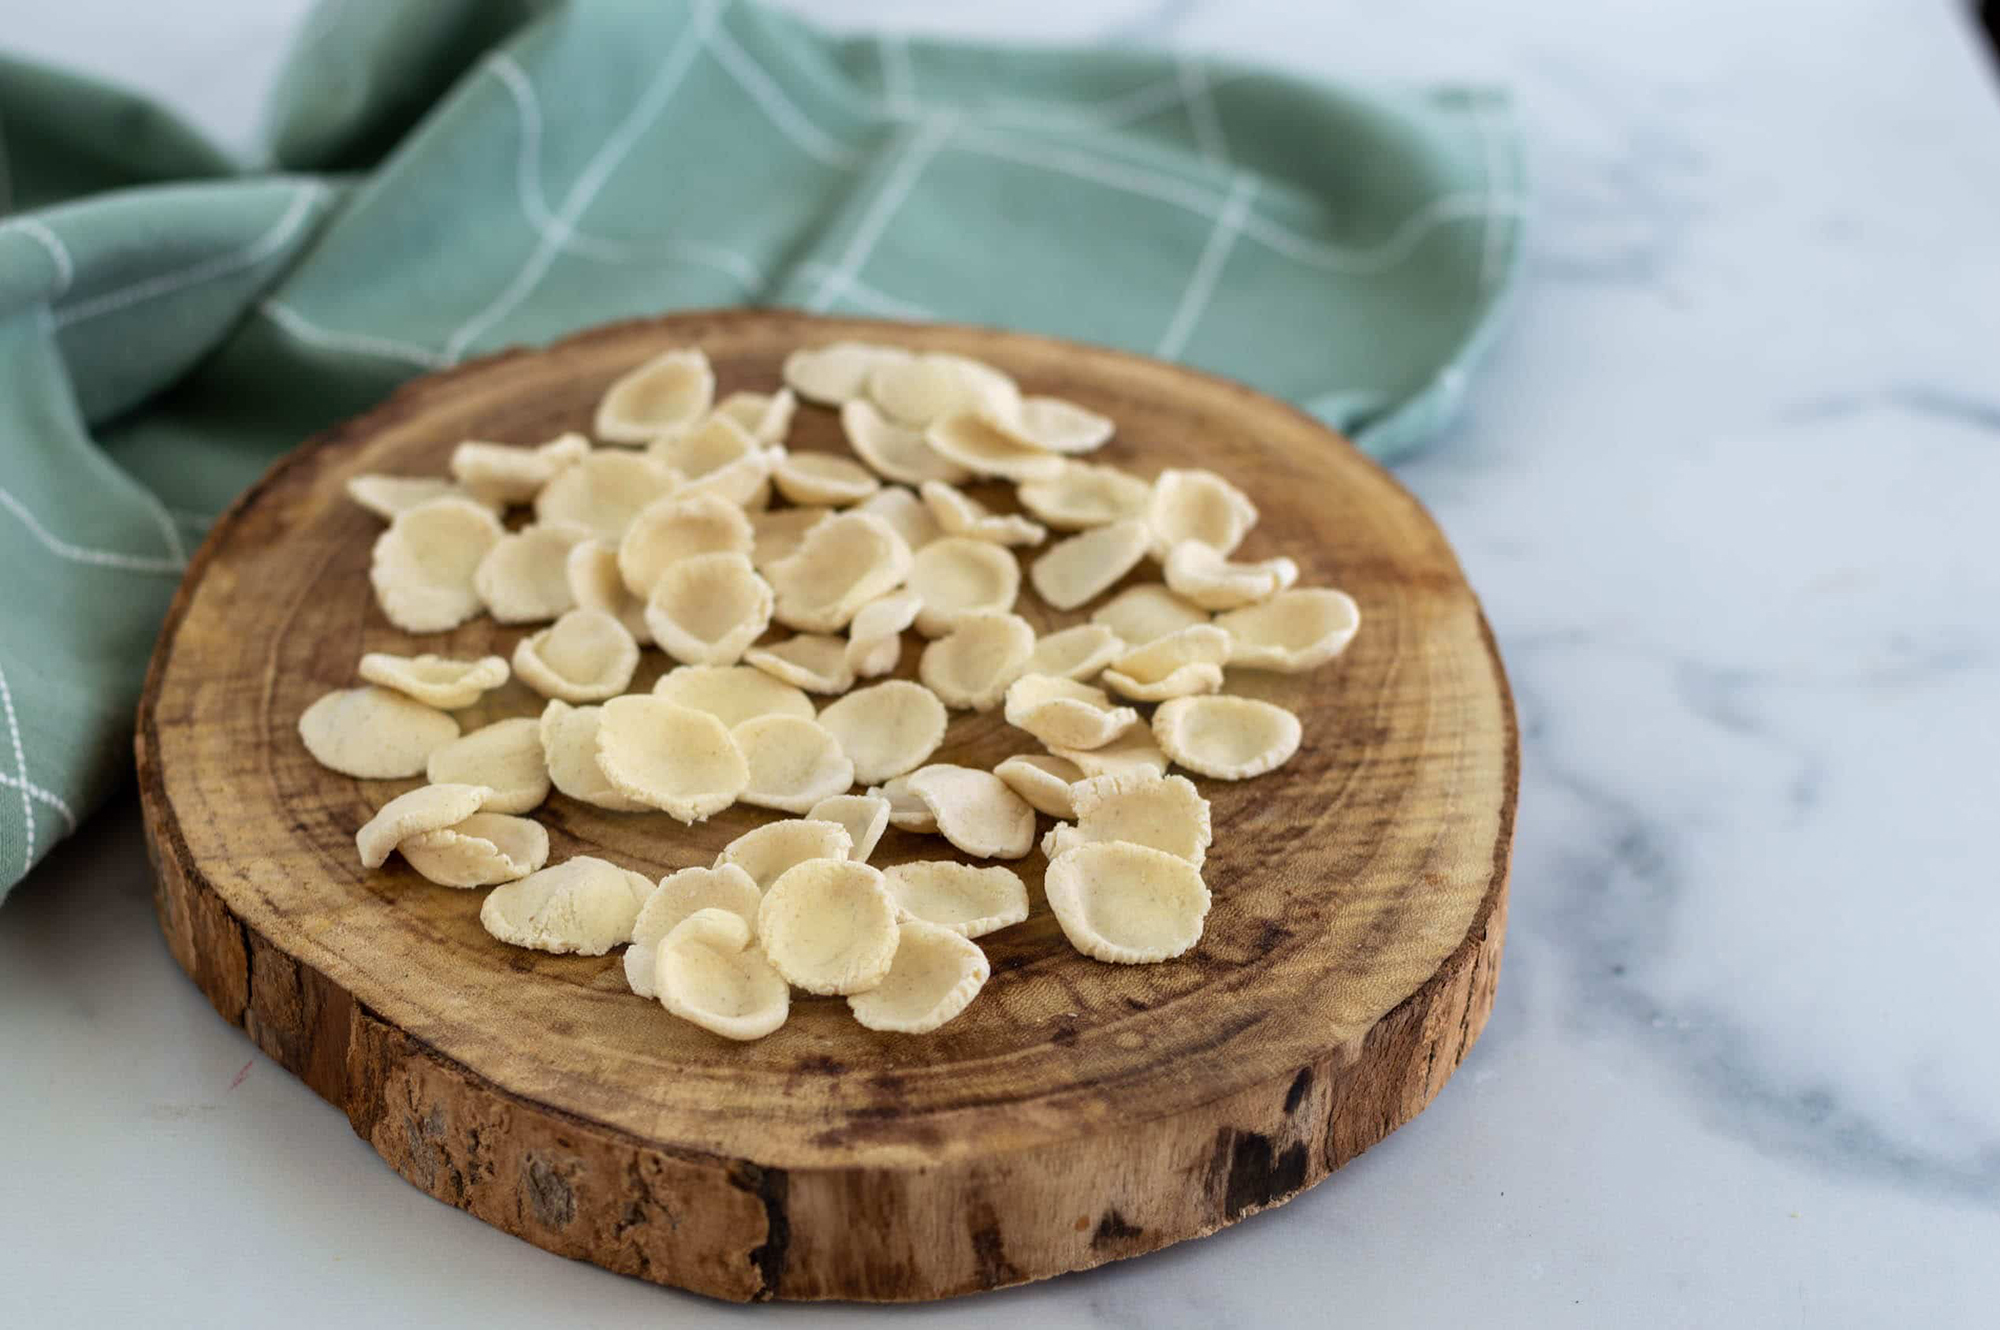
x=1077, y=1113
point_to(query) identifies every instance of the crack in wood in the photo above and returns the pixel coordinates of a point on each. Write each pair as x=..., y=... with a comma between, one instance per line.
x=772, y=1188
x=1113, y=1229
x=982, y=1225
x=1255, y=1173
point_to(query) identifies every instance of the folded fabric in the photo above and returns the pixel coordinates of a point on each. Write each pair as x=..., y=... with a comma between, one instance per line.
x=449, y=178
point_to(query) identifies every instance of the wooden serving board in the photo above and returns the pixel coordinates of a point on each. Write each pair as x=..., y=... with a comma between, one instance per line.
x=1077, y=1112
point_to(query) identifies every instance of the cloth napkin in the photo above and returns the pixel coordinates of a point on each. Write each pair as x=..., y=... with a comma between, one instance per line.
x=448, y=178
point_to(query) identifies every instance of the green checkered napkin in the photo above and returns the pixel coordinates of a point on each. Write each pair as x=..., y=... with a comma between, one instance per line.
x=449, y=178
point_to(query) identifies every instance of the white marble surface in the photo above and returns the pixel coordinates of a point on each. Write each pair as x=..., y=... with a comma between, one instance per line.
x=1727, y=489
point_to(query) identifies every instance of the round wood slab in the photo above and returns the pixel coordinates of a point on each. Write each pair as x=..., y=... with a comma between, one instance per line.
x=1076, y=1113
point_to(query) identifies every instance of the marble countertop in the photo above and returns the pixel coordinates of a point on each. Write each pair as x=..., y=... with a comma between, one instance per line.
x=1726, y=487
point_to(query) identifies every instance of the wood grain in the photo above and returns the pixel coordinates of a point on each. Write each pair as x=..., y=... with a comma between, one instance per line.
x=1077, y=1113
